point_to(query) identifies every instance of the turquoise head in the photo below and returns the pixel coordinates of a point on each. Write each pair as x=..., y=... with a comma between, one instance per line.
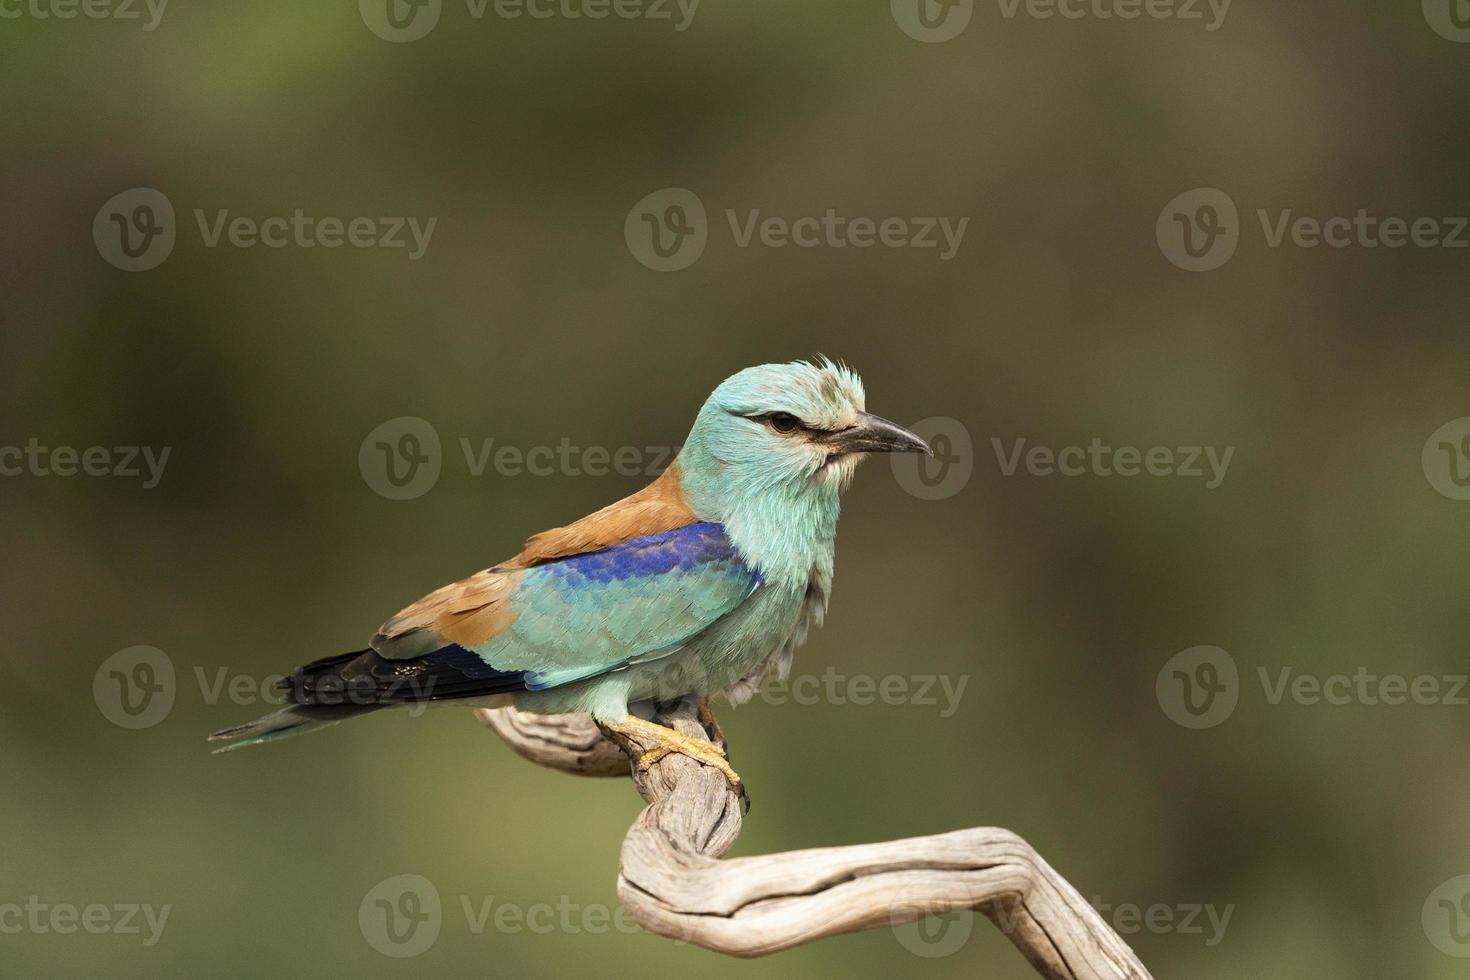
x=771, y=451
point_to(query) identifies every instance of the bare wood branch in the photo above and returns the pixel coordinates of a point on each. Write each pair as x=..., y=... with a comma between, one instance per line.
x=672, y=881
x=570, y=743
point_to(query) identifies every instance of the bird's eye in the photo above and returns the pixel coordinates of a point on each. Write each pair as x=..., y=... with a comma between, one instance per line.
x=784, y=422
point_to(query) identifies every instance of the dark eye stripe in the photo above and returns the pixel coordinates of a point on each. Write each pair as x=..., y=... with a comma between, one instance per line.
x=771, y=420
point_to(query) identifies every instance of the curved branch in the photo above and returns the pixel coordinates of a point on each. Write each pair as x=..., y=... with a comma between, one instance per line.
x=673, y=883
x=570, y=743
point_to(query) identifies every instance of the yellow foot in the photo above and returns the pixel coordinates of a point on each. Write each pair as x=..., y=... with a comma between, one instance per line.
x=669, y=741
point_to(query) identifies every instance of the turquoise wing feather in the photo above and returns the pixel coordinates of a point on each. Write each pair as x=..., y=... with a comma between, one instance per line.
x=587, y=614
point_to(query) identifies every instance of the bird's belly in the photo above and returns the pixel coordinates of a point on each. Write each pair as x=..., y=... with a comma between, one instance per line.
x=728, y=650
x=717, y=657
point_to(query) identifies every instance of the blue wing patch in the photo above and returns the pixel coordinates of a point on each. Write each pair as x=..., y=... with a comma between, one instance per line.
x=588, y=614
x=683, y=548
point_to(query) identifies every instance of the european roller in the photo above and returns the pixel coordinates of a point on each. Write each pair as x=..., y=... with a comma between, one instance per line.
x=701, y=584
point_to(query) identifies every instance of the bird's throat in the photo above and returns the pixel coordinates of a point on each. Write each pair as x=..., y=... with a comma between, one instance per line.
x=787, y=537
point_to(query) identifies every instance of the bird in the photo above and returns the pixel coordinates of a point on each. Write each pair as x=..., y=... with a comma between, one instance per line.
x=702, y=584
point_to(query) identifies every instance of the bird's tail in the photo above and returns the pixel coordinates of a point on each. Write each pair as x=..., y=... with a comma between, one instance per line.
x=334, y=689
x=310, y=708
x=294, y=719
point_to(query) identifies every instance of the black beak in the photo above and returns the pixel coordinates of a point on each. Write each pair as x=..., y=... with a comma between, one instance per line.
x=871, y=434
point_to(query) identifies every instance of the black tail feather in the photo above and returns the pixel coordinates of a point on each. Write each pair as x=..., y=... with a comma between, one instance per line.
x=343, y=686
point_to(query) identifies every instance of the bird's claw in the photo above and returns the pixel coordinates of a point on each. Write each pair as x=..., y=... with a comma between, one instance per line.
x=705, y=754
x=712, y=727
x=635, y=732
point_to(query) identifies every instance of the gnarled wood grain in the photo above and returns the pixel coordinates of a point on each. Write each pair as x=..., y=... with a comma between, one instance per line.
x=672, y=881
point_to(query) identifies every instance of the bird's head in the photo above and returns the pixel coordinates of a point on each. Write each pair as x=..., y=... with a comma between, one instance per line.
x=791, y=430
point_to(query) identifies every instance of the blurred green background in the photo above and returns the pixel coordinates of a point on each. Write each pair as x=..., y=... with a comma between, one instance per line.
x=1324, y=829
